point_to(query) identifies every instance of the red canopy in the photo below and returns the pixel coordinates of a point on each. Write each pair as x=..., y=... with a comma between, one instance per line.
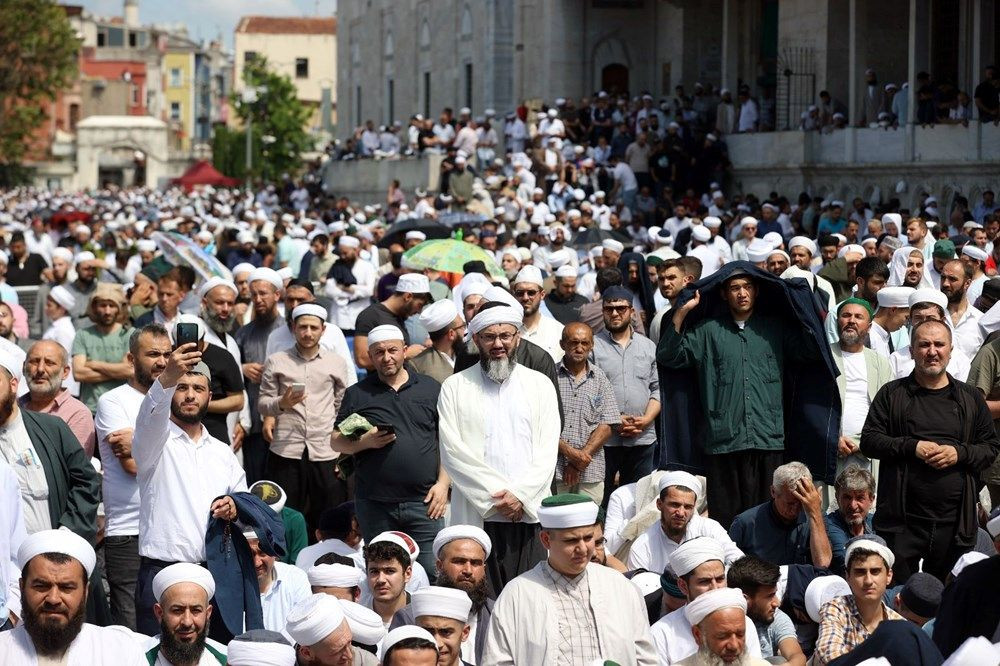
x=203, y=173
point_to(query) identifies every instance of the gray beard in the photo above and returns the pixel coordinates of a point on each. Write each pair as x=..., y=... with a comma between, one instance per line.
x=220, y=326
x=708, y=658
x=498, y=370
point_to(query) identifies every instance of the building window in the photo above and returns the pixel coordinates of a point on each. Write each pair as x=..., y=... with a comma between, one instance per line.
x=302, y=68
x=468, y=84
x=425, y=35
x=390, y=46
x=175, y=77
x=465, y=26
x=390, y=94
x=249, y=57
x=102, y=38
x=133, y=40
x=116, y=37
x=74, y=116
x=136, y=95
x=175, y=110
x=357, y=104
x=427, y=94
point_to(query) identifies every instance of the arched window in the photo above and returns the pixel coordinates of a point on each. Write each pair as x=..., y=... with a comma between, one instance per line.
x=465, y=26
x=425, y=35
x=390, y=46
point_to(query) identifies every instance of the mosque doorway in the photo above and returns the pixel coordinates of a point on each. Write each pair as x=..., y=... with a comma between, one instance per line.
x=614, y=78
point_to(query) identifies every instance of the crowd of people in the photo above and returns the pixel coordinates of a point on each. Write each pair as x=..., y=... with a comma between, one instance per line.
x=253, y=426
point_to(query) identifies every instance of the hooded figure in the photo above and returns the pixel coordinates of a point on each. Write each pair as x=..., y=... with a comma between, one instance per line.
x=641, y=287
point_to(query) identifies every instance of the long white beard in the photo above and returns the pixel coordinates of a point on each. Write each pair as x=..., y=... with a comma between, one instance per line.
x=708, y=658
x=498, y=370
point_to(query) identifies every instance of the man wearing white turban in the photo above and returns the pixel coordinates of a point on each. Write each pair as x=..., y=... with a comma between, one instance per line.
x=182, y=608
x=499, y=441
x=716, y=619
x=320, y=630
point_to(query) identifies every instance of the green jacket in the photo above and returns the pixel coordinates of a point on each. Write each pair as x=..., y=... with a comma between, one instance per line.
x=296, y=537
x=739, y=377
x=74, y=485
x=838, y=273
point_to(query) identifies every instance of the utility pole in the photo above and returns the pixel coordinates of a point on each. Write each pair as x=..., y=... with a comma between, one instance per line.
x=249, y=98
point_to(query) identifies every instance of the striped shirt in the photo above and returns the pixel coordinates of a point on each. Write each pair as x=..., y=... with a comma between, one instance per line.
x=588, y=401
x=578, y=642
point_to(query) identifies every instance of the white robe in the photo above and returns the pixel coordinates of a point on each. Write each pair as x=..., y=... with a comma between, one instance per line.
x=524, y=630
x=462, y=433
x=674, y=641
x=651, y=551
x=93, y=646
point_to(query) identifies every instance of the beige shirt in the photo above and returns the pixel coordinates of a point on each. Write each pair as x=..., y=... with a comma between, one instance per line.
x=309, y=423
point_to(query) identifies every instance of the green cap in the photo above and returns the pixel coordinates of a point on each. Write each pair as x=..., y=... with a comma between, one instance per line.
x=566, y=511
x=944, y=249
x=566, y=499
x=853, y=300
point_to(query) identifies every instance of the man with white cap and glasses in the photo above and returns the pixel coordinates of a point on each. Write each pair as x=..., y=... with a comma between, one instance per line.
x=55, y=567
x=679, y=522
x=562, y=610
x=183, y=592
x=717, y=621
x=446, y=328
x=801, y=250
x=444, y=613
x=412, y=293
x=400, y=481
x=698, y=565
x=302, y=388
x=350, y=283
x=499, y=442
x=537, y=328
x=321, y=633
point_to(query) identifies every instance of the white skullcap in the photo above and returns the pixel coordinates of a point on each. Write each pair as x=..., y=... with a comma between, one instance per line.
x=781, y=252
x=439, y=315
x=714, y=600
x=250, y=652
x=802, y=241
x=822, y=590
x=895, y=218
x=837, y=203
x=457, y=532
x=335, y=575
x=496, y=315
x=965, y=560
x=701, y=233
x=928, y=295
x=214, y=282
x=416, y=235
x=872, y=545
x=613, y=245
x=555, y=230
x=646, y=582
x=559, y=258
x=404, y=632
x=183, y=572
x=712, y=222
x=349, y=241
x=62, y=296
x=566, y=271
x=65, y=254
x=239, y=269
x=567, y=511
x=869, y=240
x=246, y=236
x=267, y=275
x=57, y=541
x=974, y=252
x=285, y=273
x=850, y=249
x=758, y=250
x=448, y=602
x=501, y=295
x=337, y=226
x=573, y=214
x=840, y=237
x=13, y=363
x=383, y=333
x=84, y=256
x=401, y=539
x=529, y=274
x=894, y=297
x=413, y=283
x=774, y=238
x=693, y=553
x=314, y=309
x=366, y=625
x=314, y=618
x=679, y=478
x=747, y=221
x=145, y=245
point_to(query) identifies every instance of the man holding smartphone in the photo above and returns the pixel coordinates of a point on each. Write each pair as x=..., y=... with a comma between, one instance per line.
x=302, y=388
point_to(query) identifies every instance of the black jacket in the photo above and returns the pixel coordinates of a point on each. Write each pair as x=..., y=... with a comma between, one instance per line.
x=886, y=438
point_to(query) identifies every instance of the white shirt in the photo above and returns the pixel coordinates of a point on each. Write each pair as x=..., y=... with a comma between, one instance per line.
x=178, y=480
x=290, y=585
x=674, y=641
x=63, y=332
x=333, y=340
x=12, y=533
x=348, y=305
x=621, y=509
x=118, y=409
x=748, y=116
x=507, y=429
x=307, y=556
x=856, y=401
x=625, y=177
x=93, y=646
x=651, y=550
x=546, y=334
x=18, y=450
x=968, y=335
x=675, y=224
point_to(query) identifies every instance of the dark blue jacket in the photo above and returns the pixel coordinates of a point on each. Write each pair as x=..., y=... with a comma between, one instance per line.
x=231, y=562
x=811, y=404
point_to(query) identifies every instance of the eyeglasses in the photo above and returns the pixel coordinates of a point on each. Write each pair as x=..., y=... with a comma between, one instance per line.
x=505, y=338
x=530, y=293
x=619, y=309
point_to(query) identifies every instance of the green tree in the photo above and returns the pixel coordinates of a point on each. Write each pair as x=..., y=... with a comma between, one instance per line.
x=38, y=58
x=278, y=122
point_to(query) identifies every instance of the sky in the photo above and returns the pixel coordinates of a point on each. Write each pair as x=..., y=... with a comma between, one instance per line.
x=206, y=19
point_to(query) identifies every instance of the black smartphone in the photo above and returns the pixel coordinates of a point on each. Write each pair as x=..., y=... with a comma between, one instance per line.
x=185, y=332
x=386, y=428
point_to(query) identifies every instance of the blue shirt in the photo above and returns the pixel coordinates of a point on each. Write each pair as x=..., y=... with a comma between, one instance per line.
x=759, y=531
x=839, y=533
x=771, y=635
x=632, y=372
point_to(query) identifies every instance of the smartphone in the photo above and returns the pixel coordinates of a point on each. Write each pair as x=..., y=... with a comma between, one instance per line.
x=298, y=389
x=186, y=333
x=386, y=428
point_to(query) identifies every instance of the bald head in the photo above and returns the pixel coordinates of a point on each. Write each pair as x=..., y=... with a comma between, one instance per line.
x=577, y=328
x=577, y=342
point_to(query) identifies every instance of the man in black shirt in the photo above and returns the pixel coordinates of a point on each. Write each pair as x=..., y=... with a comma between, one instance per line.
x=987, y=97
x=933, y=436
x=413, y=292
x=23, y=269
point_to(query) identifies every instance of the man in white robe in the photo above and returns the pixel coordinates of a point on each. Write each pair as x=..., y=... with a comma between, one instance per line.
x=698, y=565
x=679, y=521
x=567, y=609
x=56, y=566
x=929, y=304
x=498, y=442
x=888, y=331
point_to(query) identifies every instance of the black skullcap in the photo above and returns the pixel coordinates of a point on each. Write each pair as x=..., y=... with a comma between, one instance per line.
x=922, y=594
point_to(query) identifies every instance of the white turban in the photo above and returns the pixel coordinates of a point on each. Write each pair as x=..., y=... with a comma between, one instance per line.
x=401, y=539
x=383, y=333
x=310, y=309
x=242, y=652
x=416, y=235
x=701, y=233
x=451, y=603
x=63, y=297
x=679, y=478
x=366, y=626
x=851, y=249
x=183, y=572
x=245, y=267
x=500, y=295
x=748, y=220
x=894, y=297
x=714, y=600
x=821, y=590
x=57, y=541
x=496, y=315
x=712, y=222
x=975, y=253
x=404, y=632
x=438, y=315
x=566, y=271
x=65, y=254
x=214, y=282
x=457, y=532
x=529, y=274
x=12, y=360
x=560, y=512
x=993, y=527
x=349, y=241
x=267, y=275
x=693, y=553
x=84, y=256
x=613, y=245
x=313, y=619
x=895, y=218
x=928, y=295
x=781, y=252
x=802, y=241
x=965, y=560
x=559, y=258
x=758, y=250
x=335, y=575
x=774, y=238
x=145, y=245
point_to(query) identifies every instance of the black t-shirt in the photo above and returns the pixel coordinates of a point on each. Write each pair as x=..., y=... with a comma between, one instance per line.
x=988, y=93
x=29, y=275
x=377, y=315
x=406, y=469
x=934, y=493
x=226, y=379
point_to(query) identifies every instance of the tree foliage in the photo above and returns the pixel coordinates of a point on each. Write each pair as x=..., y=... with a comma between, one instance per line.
x=278, y=122
x=38, y=58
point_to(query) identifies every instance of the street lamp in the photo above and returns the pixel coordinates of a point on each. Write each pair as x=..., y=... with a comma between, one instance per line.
x=250, y=97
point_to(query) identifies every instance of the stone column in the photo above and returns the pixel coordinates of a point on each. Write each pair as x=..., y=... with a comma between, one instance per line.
x=918, y=45
x=730, y=45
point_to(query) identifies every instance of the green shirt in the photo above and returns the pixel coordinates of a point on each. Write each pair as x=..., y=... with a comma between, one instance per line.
x=739, y=375
x=296, y=537
x=96, y=346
